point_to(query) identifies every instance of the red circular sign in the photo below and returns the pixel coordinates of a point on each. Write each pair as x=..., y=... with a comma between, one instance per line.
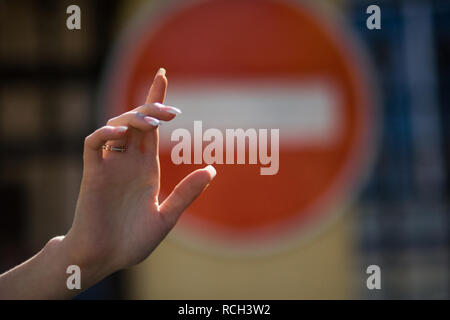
x=254, y=64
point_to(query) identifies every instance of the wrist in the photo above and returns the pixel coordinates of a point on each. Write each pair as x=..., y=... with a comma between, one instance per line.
x=67, y=252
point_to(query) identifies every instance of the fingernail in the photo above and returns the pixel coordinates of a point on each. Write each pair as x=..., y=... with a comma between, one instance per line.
x=169, y=109
x=122, y=129
x=152, y=121
x=211, y=171
x=161, y=71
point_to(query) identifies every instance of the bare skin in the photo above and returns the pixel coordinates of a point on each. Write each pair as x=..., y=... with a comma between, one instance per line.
x=118, y=219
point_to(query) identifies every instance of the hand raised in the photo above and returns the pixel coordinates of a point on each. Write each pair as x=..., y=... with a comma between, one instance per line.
x=118, y=220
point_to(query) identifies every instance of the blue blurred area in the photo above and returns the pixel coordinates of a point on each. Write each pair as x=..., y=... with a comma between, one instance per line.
x=404, y=221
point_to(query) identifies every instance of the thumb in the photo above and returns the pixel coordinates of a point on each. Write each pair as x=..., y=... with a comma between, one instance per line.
x=185, y=193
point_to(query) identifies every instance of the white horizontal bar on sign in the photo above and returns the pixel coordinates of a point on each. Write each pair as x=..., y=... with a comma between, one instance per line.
x=305, y=113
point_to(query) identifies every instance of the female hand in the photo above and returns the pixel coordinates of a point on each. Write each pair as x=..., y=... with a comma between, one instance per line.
x=119, y=220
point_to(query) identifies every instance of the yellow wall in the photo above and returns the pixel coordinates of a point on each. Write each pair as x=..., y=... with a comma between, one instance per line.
x=319, y=268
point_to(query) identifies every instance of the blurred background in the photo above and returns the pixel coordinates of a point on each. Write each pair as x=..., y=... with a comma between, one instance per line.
x=52, y=87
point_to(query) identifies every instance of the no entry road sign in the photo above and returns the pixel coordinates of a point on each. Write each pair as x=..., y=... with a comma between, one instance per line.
x=255, y=64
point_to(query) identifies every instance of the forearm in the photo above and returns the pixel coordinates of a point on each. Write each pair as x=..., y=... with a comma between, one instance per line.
x=44, y=275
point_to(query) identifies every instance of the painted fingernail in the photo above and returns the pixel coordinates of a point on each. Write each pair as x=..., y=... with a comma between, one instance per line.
x=122, y=129
x=169, y=109
x=152, y=121
x=161, y=71
x=211, y=171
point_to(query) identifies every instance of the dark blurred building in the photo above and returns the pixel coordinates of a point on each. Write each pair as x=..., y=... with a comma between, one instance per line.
x=405, y=220
x=49, y=77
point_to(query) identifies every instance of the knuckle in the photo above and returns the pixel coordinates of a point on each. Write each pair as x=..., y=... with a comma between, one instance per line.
x=87, y=140
x=102, y=130
x=139, y=115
